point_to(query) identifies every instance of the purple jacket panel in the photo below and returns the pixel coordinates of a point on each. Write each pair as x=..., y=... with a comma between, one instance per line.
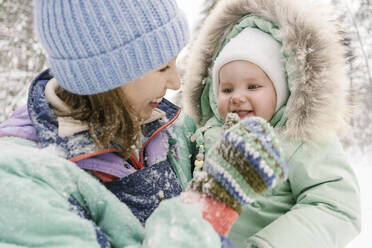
x=19, y=125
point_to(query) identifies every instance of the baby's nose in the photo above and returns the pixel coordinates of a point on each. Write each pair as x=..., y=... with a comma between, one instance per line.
x=238, y=98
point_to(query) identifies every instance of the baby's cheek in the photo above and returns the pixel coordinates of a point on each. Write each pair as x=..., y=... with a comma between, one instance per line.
x=222, y=110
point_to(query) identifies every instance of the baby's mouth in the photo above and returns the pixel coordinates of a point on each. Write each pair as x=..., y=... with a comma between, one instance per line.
x=243, y=113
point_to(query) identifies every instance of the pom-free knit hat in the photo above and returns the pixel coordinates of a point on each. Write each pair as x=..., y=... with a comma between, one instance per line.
x=260, y=48
x=94, y=46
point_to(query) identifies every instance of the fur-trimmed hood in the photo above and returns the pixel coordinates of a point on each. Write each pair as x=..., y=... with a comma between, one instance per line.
x=318, y=102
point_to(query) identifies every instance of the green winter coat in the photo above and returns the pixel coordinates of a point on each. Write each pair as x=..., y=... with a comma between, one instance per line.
x=40, y=189
x=319, y=204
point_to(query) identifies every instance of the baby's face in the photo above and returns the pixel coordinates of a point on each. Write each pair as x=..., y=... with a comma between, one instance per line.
x=245, y=89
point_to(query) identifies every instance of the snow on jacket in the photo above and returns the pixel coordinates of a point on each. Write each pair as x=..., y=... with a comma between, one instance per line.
x=319, y=204
x=48, y=201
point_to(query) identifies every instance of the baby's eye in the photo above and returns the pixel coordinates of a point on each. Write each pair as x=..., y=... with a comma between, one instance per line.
x=253, y=86
x=227, y=90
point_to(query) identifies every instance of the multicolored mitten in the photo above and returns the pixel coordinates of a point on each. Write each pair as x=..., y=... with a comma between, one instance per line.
x=241, y=166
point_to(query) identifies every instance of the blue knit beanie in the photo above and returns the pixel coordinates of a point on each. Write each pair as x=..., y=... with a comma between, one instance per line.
x=95, y=46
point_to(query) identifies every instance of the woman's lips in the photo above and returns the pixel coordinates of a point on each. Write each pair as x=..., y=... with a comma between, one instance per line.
x=154, y=104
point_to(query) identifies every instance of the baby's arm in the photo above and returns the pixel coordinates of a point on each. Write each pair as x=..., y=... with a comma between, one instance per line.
x=326, y=211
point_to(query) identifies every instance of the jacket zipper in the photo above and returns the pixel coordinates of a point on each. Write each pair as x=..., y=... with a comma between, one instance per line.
x=139, y=164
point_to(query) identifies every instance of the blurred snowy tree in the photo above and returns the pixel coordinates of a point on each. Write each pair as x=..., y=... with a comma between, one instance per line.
x=357, y=22
x=207, y=6
x=20, y=54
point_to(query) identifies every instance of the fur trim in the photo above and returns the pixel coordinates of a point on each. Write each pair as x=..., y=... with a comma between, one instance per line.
x=319, y=98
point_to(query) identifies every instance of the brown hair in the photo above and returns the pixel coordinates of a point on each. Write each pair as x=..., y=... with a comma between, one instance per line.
x=109, y=117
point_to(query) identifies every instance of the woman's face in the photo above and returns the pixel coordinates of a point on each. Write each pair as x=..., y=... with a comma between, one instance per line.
x=145, y=92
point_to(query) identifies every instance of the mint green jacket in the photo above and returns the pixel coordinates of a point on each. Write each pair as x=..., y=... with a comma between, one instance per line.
x=48, y=201
x=319, y=204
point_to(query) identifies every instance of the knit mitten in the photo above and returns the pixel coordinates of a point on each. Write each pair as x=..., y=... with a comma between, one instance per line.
x=241, y=166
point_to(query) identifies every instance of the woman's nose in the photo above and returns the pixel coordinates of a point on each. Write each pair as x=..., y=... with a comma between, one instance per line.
x=173, y=82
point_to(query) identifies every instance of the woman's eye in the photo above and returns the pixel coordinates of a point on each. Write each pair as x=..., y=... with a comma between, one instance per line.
x=253, y=86
x=164, y=69
x=227, y=90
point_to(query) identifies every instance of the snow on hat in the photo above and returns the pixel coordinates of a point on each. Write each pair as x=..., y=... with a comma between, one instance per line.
x=95, y=46
x=260, y=48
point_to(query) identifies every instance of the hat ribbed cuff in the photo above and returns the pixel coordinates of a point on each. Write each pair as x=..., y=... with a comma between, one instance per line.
x=110, y=70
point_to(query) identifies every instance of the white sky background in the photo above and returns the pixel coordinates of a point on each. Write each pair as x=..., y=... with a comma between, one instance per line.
x=361, y=161
x=191, y=9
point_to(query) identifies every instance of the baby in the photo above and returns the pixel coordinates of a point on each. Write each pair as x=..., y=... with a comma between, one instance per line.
x=249, y=88
x=282, y=61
